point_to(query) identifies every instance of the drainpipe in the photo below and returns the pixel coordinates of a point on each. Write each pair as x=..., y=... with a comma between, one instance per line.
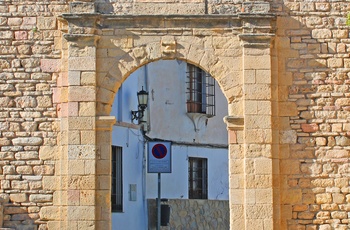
x=144, y=129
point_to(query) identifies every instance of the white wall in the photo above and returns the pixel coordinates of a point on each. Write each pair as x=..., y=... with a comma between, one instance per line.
x=175, y=184
x=133, y=160
x=167, y=120
x=165, y=82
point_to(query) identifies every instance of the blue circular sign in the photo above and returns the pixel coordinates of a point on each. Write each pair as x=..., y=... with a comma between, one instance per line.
x=159, y=151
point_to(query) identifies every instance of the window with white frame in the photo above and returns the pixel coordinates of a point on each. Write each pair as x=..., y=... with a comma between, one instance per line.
x=197, y=178
x=200, y=91
x=117, y=179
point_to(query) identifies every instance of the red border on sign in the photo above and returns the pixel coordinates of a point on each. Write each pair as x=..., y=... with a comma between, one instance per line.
x=159, y=151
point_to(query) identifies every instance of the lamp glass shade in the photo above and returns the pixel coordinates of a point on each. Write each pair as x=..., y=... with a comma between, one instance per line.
x=142, y=97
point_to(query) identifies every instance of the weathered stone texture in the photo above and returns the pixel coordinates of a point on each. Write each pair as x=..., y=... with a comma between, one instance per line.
x=319, y=89
x=193, y=214
x=27, y=32
x=296, y=103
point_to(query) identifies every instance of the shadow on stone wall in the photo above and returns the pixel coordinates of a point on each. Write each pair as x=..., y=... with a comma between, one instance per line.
x=314, y=159
x=193, y=214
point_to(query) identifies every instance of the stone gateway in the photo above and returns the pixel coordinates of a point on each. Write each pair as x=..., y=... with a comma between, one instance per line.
x=283, y=65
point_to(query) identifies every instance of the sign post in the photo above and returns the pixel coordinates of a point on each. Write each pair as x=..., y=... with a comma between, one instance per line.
x=158, y=203
x=159, y=161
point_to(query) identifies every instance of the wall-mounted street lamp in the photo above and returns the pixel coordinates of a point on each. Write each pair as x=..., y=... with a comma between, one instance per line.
x=142, y=97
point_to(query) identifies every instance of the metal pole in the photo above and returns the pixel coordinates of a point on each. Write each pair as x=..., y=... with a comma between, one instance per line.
x=158, y=204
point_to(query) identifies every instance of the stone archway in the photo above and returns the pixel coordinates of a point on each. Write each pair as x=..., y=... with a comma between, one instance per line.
x=102, y=51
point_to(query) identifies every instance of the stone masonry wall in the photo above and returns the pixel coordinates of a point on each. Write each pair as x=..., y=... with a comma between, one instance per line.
x=193, y=214
x=314, y=68
x=311, y=72
x=29, y=64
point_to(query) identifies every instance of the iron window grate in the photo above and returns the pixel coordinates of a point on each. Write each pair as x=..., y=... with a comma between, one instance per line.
x=198, y=178
x=200, y=91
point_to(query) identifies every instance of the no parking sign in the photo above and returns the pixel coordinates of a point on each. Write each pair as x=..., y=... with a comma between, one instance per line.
x=159, y=157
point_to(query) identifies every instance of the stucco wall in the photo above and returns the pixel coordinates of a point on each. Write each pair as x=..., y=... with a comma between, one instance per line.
x=165, y=81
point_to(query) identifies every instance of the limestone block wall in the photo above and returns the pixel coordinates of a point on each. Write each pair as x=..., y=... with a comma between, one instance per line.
x=289, y=125
x=29, y=68
x=187, y=7
x=312, y=45
x=193, y=214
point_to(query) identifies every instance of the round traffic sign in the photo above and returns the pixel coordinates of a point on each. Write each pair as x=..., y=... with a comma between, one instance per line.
x=159, y=151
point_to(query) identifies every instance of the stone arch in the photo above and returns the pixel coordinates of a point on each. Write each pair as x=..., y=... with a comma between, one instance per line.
x=228, y=48
x=150, y=52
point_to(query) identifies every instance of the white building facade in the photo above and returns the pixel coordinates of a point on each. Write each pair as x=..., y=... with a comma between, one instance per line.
x=197, y=134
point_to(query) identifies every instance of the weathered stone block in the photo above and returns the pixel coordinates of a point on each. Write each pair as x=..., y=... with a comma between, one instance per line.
x=18, y=197
x=78, y=93
x=88, y=78
x=14, y=21
x=26, y=102
x=44, y=170
x=44, y=101
x=309, y=128
x=76, y=167
x=338, y=198
x=24, y=170
x=321, y=33
x=48, y=152
x=27, y=155
x=263, y=166
x=82, y=7
x=257, y=91
x=81, y=212
x=49, y=213
x=256, y=7
x=257, y=62
x=257, y=122
x=324, y=198
x=40, y=198
x=6, y=34
x=288, y=136
x=341, y=153
x=291, y=196
x=335, y=62
x=50, y=65
x=74, y=78
x=82, y=63
x=28, y=23
x=87, y=137
x=287, y=109
x=258, y=181
x=21, y=35
x=21, y=185
x=9, y=169
x=82, y=123
x=52, y=183
x=46, y=23
x=87, y=108
x=15, y=210
x=87, y=197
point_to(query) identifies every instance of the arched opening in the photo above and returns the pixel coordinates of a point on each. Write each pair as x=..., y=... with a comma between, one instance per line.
x=240, y=64
x=199, y=149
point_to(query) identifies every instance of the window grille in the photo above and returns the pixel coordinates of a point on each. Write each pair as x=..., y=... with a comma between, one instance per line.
x=117, y=179
x=200, y=91
x=198, y=178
